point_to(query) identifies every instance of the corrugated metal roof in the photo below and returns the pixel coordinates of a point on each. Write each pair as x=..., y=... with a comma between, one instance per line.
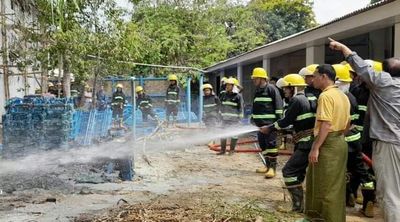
x=359, y=11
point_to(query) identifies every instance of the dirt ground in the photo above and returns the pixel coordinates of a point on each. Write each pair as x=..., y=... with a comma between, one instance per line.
x=191, y=184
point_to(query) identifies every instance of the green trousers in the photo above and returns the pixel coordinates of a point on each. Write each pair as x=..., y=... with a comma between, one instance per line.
x=326, y=182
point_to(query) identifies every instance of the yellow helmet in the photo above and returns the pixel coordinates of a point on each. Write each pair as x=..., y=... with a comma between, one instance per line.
x=311, y=68
x=342, y=73
x=207, y=86
x=236, y=81
x=172, y=78
x=119, y=85
x=377, y=66
x=348, y=66
x=224, y=79
x=230, y=81
x=139, y=89
x=293, y=80
x=259, y=73
x=50, y=84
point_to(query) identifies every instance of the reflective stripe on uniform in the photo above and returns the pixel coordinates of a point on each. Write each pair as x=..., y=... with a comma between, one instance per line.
x=229, y=103
x=359, y=128
x=279, y=111
x=209, y=105
x=368, y=186
x=353, y=138
x=305, y=139
x=173, y=93
x=305, y=116
x=230, y=114
x=311, y=98
x=118, y=97
x=290, y=179
x=144, y=102
x=362, y=108
x=265, y=116
x=172, y=101
x=354, y=116
x=267, y=151
x=262, y=99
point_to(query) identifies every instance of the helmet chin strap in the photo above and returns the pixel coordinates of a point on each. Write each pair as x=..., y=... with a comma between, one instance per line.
x=297, y=91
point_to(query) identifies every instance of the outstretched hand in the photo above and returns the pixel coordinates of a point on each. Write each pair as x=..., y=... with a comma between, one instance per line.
x=335, y=45
x=265, y=130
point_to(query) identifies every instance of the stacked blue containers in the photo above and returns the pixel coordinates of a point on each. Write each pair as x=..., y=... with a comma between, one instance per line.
x=34, y=123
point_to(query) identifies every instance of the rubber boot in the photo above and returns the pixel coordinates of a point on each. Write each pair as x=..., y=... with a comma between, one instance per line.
x=223, y=147
x=271, y=173
x=168, y=123
x=265, y=168
x=368, y=203
x=297, y=199
x=233, y=145
x=350, y=199
x=359, y=200
x=262, y=169
x=174, y=121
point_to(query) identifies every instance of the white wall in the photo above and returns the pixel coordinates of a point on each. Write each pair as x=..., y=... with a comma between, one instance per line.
x=16, y=80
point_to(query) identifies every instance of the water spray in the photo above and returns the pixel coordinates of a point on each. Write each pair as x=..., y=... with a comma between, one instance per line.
x=156, y=141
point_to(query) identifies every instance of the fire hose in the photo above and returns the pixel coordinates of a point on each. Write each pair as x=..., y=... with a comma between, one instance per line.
x=217, y=148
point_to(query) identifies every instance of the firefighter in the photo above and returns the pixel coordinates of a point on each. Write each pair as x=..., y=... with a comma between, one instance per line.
x=223, y=85
x=301, y=114
x=117, y=104
x=172, y=100
x=267, y=108
x=360, y=90
x=308, y=73
x=356, y=168
x=211, y=104
x=237, y=88
x=231, y=113
x=143, y=102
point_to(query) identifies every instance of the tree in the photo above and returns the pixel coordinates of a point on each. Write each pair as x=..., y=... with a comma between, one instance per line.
x=281, y=18
x=194, y=33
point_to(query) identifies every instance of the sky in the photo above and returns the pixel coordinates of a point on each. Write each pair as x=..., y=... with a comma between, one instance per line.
x=325, y=10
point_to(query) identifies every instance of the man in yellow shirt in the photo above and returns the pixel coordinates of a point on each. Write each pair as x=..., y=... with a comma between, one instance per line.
x=326, y=175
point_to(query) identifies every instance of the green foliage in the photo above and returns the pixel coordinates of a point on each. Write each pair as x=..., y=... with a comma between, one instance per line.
x=281, y=18
x=193, y=33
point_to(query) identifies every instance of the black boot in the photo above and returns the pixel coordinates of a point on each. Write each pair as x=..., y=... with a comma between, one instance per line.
x=350, y=198
x=223, y=147
x=233, y=145
x=297, y=199
x=368, y=202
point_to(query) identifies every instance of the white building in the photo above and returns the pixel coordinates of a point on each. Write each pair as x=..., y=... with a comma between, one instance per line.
x=16, y=15
x=374, y=32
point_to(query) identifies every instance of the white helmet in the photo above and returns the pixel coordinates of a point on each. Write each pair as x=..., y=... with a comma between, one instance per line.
x=280, y=83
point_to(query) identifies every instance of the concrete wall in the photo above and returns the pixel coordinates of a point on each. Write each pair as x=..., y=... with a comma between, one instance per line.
x=247, y=83
x=17, y=82
x=288, y=63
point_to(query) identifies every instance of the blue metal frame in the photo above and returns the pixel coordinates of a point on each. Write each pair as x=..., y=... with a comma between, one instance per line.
x=141, y=80
x=188, y=99
x=133, y=108
x=201, y=80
